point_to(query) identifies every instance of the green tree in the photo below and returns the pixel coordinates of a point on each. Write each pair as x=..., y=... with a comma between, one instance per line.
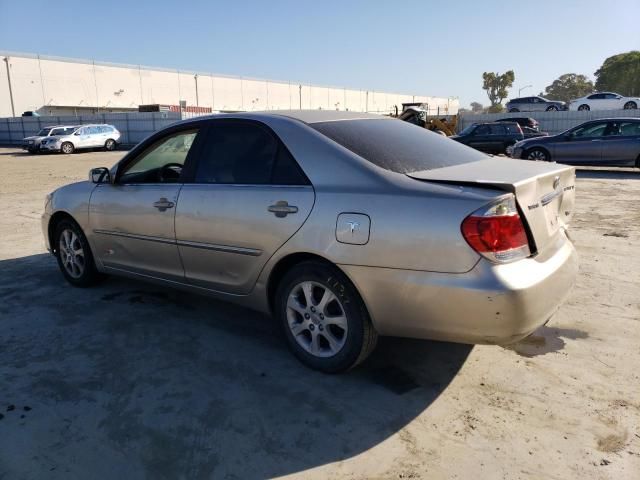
x=497, y=85
x=620, y=73
x=495, y=108
x=569, y=86
x=476, y=107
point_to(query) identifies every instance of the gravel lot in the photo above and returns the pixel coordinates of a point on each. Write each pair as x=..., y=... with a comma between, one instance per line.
x=127, y=380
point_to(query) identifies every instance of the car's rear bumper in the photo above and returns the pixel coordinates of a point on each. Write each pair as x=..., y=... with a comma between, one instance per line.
x=489, y=304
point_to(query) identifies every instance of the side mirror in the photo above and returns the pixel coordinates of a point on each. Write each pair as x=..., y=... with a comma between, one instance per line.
x=99, y=175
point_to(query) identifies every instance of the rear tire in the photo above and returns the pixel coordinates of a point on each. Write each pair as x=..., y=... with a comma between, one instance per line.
x=74, y=255
x=67, y=147
x=537, y=154
x=584, y=108
x=325, y=321
x=110, y=145
x=630, y=106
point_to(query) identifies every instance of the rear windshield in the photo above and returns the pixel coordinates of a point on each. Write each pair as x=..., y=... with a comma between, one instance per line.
x=396, y=145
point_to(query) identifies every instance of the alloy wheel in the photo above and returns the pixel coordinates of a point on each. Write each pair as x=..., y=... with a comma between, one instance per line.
x=583, y=108
x=316, y=318
x=630, y=106
x=67, y=148
x=537, y=155
x=71, y=253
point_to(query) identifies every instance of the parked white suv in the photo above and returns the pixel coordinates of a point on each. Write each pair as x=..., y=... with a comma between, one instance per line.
x=33, y=143
x=86, y=136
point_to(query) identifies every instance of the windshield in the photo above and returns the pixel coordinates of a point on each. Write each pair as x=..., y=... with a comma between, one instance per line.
x=468, y=130
x=44, y=132
x=396, y=145
x=58, y=132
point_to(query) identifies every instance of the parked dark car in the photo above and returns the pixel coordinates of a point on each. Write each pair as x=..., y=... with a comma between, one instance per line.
x=534, y=104
x=490, y=137
x=611, y=142
x=523, y=122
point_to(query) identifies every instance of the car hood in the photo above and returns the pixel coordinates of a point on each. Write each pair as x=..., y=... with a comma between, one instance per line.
x=34, y=137
x=539, y=140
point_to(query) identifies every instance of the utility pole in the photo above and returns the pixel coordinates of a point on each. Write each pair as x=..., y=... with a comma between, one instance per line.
x=520, y=89
x=195, y=77
x=13, y=109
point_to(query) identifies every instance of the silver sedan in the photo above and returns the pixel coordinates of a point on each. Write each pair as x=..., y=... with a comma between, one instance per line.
x=343, y=226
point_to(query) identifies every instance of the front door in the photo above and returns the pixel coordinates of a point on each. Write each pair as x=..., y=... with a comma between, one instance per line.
x=582, y=145
x=132, y=219
x=247, y=198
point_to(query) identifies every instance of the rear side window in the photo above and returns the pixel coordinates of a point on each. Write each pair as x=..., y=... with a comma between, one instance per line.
x=396, y=145
x=246, y=153
x=497, y=129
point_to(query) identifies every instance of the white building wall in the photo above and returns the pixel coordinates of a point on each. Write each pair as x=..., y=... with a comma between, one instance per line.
x=40, y=82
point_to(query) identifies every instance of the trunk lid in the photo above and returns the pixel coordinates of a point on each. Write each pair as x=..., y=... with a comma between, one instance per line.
x=545, y=192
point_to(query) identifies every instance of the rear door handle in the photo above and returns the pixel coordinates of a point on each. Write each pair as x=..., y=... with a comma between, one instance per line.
x=163, y=204
x=282, y=208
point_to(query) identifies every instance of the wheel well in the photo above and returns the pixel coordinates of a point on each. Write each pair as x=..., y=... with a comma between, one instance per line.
x=56, y=218
x=283, y=266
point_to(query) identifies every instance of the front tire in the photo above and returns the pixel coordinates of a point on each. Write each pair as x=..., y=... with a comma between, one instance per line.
x=324, y=319
x=74, y=255
x=630, y=106
x=584, y=108
x=552, y=108
x=537, y=154
x=513, y=110
x=67, y=147
x=110, y=145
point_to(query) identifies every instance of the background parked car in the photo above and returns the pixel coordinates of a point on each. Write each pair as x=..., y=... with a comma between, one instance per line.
x=604, y=101
x=86, y=136
x=606, y=142
x=523, y=122
x=534, y=104
x=32, y=143
x=493, y=137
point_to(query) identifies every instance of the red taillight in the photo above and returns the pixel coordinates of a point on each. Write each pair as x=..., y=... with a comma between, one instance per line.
x=497, y=232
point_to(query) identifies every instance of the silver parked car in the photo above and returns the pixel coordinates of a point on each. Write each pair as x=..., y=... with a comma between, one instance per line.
x=344, y=226
x=85, y=136
x=612, y=142
x=32, y=143
x=534, y=104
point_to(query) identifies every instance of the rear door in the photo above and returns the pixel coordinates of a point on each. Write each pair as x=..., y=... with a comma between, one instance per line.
x=621, y=144
x=582, y=145
x=247, y=198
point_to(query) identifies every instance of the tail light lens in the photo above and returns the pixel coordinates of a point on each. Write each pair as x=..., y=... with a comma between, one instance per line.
x=496, y=232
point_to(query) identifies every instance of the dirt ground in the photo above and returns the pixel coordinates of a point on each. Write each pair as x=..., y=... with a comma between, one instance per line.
x=127, y=380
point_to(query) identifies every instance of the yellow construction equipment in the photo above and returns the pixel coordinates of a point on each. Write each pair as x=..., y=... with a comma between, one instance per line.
x=418, y=114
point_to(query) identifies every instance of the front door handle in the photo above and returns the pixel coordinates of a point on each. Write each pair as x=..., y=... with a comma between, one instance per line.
x=282, y=208
x=163, y=204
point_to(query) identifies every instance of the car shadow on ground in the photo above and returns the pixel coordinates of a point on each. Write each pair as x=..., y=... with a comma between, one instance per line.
x=133, y=380
x=605, y=174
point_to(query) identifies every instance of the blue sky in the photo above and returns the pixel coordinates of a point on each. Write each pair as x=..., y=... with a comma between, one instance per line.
x=415, y=47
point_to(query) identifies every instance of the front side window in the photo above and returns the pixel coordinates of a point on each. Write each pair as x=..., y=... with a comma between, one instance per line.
x=497, y=129
x=62, y=131
x=483, y=130
x=591, y=130
x=595, y=96
x=162, y=162
x=248, y=154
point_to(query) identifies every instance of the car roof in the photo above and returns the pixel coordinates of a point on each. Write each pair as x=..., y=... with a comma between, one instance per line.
x=305, y=116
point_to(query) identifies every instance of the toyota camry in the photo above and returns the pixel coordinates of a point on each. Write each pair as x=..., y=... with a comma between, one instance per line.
x=343, y=226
